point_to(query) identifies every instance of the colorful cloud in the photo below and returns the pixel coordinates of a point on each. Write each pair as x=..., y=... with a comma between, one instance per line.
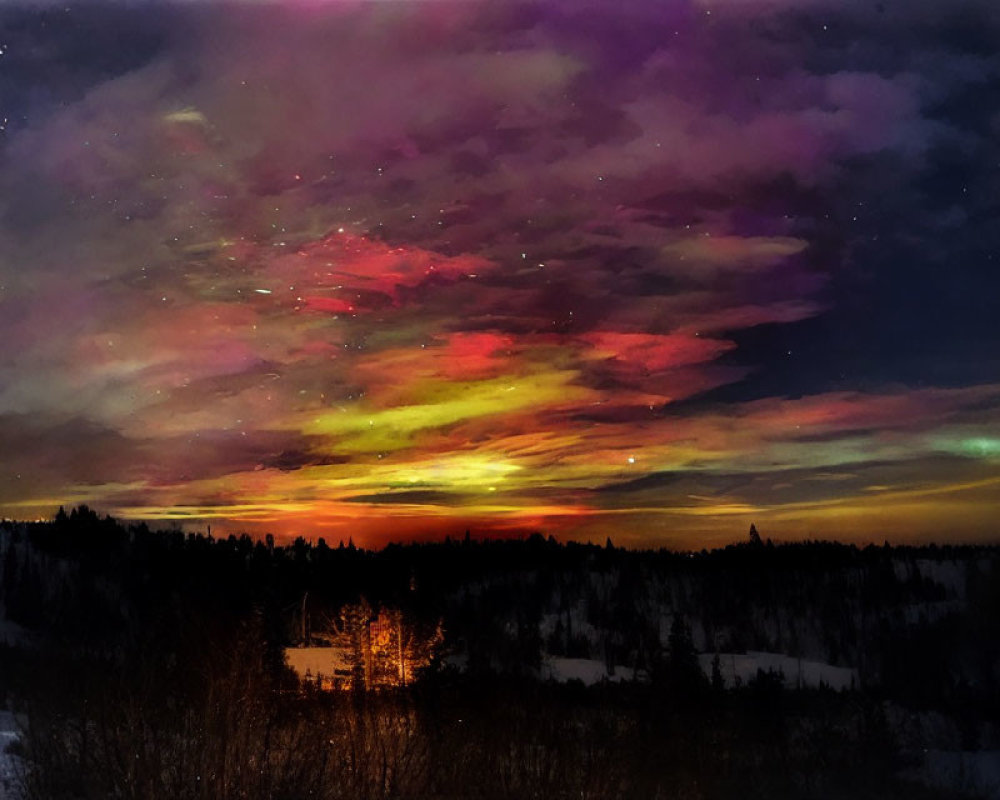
x=395, y=270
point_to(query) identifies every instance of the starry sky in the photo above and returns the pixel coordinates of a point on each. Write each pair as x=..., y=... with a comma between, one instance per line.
x=391, y=270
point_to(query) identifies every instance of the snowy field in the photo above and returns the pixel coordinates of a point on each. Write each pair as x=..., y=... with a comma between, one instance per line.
x=587, y=670
x=10, y=632
x=974, y=772
x=317, y=662
x=798, y=672
x=743, y=666
x=8, y=765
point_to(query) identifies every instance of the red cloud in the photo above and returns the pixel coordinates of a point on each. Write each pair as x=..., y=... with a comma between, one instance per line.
x=362, y=274
x=655, y=352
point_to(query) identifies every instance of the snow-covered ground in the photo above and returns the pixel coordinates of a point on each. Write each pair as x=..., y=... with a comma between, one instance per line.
x=8, y=762
x=10, y=632
x=977, y=772
x=317, y=662
x=588, y=670
x=950, y=574
x=798, y=672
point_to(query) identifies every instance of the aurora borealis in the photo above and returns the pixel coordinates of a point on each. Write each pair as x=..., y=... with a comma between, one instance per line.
x=392, y=270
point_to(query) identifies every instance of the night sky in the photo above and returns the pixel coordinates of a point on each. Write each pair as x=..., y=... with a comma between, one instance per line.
x=649, y=270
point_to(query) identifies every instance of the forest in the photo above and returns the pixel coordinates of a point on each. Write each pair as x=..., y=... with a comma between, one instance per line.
x=153, y=664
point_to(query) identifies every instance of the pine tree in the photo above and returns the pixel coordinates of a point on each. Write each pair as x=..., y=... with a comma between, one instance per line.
x=685, y=672
x=718, y=684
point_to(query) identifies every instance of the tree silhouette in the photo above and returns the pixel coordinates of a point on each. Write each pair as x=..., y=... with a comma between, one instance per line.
x=684, y=673
x=718, y=684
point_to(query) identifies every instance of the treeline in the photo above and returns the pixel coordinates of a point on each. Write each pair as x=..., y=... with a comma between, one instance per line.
x=156, y=668
x=920, y=622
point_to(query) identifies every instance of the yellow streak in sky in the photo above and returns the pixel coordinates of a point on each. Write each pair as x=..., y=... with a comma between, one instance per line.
x=360, y=430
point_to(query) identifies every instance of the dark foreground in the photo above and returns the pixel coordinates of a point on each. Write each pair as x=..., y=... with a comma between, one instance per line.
x=152, y=667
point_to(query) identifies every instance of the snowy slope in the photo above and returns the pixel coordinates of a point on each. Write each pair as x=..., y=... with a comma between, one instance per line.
x=798, y=672
x=587, y=670
x=316, y=662
x=8, y=762
x=974, y=772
